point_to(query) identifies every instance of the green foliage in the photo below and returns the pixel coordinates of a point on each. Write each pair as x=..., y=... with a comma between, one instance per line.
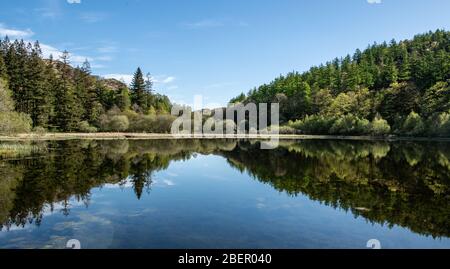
x=123, y=99
x=119, y=123
x=152, y=123
x=439, y=125
x=238, y=99
x=6, y=102
x=284, y=130
x=436, y=99
x=321, y=101
x=315, y=124
x=379, y=127
x=413, y=125
x=39, y=130
x=85, y=127
x=86, y=92
x=137, y=122
x=398, y=101
x=3, y=71
x=350, y=125
x=355, y=102
x=13, y=123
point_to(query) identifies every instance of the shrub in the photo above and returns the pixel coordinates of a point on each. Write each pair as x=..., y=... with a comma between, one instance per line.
x=280, y=130
x=350, y=125
x=413, y=125
x=440, y=125
x=85, y=127
x=380, y=127
x=313, y=125
x=12, y=122
x=119, y=123
x=115, y=120
x=39, y=130
x=162, y=124
x=151, y=123
x=212, y=125
x=6, y=102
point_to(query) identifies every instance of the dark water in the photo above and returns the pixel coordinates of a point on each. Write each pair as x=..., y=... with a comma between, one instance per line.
x=225, y=194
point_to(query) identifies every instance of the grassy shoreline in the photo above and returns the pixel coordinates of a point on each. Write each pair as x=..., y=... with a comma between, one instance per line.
x=147, y=136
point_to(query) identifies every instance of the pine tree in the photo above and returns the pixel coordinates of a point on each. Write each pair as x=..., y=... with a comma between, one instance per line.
x=149, y=84
x=86, y=92
x=38, y=86
x=138, y=87
x=405, y=66
x=4, y=47
x=15, y=60
x=66, y=108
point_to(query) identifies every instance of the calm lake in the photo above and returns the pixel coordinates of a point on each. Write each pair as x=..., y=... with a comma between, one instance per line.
x=224, y=194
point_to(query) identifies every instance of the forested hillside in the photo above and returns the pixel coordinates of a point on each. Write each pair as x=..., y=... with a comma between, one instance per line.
x=400, y=88
x=51, y=95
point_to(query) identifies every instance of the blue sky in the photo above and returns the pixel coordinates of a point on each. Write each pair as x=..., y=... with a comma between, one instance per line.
x=214, y=48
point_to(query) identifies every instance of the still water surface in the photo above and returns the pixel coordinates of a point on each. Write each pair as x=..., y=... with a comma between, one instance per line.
x=225, y=194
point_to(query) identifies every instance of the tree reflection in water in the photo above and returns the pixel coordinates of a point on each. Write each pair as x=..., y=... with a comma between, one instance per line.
x=399, y=183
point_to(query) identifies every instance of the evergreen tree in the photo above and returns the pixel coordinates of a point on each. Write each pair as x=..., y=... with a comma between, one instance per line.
x=66, y=107
x=405, y=65
x=138, y=88
x=38, y=86
x=15, y=60
x=149, y=84
x=86, y=92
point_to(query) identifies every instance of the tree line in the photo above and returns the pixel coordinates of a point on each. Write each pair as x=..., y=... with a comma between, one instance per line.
x=397, y=88
x=51, y=95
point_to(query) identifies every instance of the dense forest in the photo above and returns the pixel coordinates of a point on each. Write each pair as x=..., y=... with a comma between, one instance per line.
x=397, y=88
x=51, y=95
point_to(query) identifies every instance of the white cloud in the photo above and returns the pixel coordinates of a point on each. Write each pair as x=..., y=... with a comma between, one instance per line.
x=14, y=33
x=93, y=17
x=75, y=59
x=374, y=1
x=104, y=58
x=214, y=23
x=107, y=49
x=74, y=1
x=166, y=80
x=204, y=24
x=169, y=182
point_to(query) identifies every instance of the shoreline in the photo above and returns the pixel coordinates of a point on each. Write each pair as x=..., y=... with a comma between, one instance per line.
x=151, y=136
